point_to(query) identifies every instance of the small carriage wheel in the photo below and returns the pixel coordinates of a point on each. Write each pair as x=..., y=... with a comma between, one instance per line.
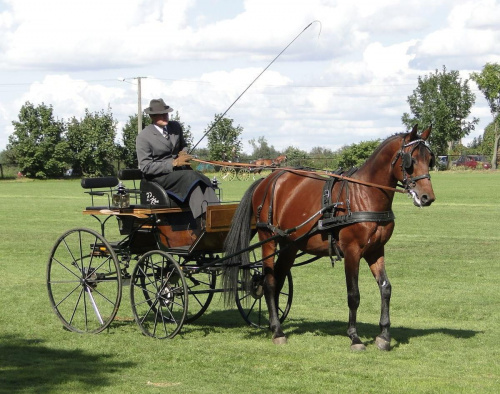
x=244, y=174
x=201, y=288
x=158, y=294
x=84, y=281
x=250, y=298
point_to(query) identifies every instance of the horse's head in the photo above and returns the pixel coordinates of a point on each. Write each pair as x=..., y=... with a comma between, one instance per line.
x=411, y=167
x=280, y=159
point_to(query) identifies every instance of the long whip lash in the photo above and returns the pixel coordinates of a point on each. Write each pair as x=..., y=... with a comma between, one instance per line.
x=248, y=87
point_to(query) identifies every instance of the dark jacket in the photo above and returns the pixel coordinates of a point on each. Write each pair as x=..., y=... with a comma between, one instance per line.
x=155, y=153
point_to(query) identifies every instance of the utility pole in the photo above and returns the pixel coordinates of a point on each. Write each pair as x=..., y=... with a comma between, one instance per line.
x=139, y=105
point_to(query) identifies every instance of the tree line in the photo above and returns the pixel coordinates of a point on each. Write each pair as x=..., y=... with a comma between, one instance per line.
x=45, y=147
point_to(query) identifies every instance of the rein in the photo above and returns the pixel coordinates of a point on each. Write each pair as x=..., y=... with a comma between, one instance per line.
x=304, y=172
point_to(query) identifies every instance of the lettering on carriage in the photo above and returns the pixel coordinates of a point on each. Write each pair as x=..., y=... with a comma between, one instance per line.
x=152, y=199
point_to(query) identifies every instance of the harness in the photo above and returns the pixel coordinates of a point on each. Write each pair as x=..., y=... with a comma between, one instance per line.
x=329, y=217
x=329, y=220
x=407, y=161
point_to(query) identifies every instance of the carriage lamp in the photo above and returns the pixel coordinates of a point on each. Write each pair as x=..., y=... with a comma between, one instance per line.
x=121, y=198
x=215, y=183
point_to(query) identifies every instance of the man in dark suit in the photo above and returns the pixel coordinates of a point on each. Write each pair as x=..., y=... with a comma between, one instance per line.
x=163, y=158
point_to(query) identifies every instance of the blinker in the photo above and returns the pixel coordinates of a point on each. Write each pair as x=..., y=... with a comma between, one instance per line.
x=407, y=161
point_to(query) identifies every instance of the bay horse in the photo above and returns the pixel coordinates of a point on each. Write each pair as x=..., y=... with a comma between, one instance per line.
x=268, y=163
x=290, y=212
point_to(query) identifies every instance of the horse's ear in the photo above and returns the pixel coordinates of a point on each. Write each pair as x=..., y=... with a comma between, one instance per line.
x=413, y=133
x=426, y=133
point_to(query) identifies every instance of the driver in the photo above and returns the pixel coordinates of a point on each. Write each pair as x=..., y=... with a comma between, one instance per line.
x=163, y=158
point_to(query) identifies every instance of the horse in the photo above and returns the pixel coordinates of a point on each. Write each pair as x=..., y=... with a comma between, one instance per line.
x=270, y=163
x=291, y=216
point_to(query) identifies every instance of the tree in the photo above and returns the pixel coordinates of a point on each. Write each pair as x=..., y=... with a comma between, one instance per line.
x=129, y=135
x=223, y=139
x=488, y=82
x=91, y=141
x=296, y=157
x=355, y=155
x=443, y=100
x=188, y=137
x=37, y=144
x=262, y=150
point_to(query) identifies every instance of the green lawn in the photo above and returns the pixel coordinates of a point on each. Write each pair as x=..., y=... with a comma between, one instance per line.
x=442, y=262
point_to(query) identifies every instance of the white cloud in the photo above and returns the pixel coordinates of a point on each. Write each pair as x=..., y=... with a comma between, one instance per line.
x=350, y=83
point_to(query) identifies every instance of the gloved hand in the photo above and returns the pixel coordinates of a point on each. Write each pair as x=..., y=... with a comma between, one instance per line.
x=182, y=160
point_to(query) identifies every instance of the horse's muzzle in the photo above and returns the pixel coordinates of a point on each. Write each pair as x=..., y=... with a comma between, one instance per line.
x=423, y=200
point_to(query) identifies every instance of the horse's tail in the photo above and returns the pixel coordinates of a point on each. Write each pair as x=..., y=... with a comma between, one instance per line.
x=238, y=239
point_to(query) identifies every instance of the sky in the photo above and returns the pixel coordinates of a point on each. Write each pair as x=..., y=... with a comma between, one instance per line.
x=345, y=79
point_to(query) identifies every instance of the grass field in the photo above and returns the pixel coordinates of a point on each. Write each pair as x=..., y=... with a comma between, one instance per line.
x=442, y=261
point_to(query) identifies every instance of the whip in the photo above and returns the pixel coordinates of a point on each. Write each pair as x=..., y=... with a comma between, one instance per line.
x=248, y=87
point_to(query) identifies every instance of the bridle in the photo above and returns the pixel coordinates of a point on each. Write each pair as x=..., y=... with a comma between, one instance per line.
x=407, y=161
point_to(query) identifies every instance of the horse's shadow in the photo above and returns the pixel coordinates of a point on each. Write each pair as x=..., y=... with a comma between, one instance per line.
x=401, y=335
x=212, y=322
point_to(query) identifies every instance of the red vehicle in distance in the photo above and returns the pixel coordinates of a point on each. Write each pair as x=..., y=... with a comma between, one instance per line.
x=472, y=161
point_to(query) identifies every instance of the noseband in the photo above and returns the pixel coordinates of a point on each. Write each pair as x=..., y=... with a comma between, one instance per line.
x=409, y=182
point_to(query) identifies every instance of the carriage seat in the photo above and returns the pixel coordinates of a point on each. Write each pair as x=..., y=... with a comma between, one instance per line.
x=151, y=193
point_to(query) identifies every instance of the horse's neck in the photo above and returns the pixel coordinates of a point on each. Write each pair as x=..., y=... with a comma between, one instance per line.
x=377, y=170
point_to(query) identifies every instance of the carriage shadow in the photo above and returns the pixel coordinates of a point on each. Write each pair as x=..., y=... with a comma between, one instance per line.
x=218, y=321
x=54, y=367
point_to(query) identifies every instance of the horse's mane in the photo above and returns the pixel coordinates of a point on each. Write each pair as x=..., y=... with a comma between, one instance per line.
x=382, y=146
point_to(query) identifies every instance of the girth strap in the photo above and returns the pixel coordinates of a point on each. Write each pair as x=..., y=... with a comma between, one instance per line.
x=355, y=217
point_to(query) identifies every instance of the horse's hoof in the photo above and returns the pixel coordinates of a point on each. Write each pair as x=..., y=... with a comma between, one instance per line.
x=358, y=347
x=279, y=340
x=383, y=344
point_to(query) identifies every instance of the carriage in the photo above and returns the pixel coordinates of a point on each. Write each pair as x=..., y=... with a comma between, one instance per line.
x=170, y=262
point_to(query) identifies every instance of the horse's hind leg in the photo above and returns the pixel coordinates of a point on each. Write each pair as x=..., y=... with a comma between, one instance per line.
x=377, y=267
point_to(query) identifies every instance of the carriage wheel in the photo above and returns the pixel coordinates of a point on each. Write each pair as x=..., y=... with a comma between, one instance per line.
x=84, y=281
x=250, y=298
x=244, y=174
x=158, y=294
x=228, y=173
x=201, y=287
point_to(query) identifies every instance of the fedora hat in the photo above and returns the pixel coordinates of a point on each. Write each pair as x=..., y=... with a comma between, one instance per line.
x=157, y=106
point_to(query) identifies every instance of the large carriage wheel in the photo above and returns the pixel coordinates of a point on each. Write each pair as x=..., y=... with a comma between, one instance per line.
x=84, y=281
x=158, y=294
x=250, y=298
x=244, y=174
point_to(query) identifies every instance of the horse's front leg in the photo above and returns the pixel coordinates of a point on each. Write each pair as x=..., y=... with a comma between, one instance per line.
x=351, y=266
x=274, y=277
x=377, y=267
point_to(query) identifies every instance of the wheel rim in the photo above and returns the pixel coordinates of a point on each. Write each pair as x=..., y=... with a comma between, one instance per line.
x=158, y=294
x=250, y=298
x=84, y=281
